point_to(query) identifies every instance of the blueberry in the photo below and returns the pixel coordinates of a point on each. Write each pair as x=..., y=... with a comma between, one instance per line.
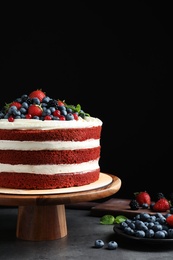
x=161, y=220
x=52, y=109
x=129, y=231
x=35, y=101
x=165, y=227
x=132, y=225
x=151, y=205
x=23, y=110
x=158, y=215
x=157, y=227
x=99, y=243
x=145, y=206
x=140, y=233
x=165, y=232
x=152, y=219
x=69, y=116
x=25, y=105
x=149, y=233
x=140, y=225
x=12, y=110
x=167, y=215
x=63, y=112
x=144, y=216
x=69, y=110
x=170, y=233
x=159, y=234
x=46, y=99
x=112, y=245
x=123, y=225
x=150, y=225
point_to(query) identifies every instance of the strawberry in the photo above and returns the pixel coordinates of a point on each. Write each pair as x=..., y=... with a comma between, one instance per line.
x=143, y=197
x=35, y=110
x=161, y=205
x=17, y=104
x=37, y=93
x=60, y=103
x=169, y=220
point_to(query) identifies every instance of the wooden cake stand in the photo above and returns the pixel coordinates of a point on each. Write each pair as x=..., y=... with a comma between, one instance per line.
x=41, y=213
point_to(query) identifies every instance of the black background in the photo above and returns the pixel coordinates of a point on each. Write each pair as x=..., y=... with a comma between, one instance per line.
x=112, y=58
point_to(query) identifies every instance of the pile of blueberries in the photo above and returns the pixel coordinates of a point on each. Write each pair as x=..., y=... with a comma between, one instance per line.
x=145, y=225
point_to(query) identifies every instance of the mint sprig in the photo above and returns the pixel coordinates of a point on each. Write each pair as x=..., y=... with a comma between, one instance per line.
x=77, y=109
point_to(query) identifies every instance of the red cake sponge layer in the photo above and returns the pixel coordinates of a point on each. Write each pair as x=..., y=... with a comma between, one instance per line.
x=49, y=157
x=42, y=181
x=76, y=134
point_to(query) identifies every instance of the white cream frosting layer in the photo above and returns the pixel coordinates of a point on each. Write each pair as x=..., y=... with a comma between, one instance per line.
x=33, y=124
x=48, y=145
x=51, y=169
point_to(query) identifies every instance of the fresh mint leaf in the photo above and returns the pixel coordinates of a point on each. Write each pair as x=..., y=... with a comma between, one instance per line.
x=107, y=220
x=119, y=219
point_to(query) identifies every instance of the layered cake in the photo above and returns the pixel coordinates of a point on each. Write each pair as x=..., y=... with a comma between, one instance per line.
x=47, y=144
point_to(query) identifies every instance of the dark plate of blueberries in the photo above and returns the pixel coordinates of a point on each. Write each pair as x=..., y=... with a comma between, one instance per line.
x=146, y=228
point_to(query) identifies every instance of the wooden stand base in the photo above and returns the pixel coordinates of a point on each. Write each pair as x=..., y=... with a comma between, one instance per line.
x=38, y=223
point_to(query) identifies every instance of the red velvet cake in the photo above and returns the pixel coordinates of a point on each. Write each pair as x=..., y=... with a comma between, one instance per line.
x=58, y=147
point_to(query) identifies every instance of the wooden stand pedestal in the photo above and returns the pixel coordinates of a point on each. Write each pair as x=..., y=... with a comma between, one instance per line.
x=42, y=216
x=41, y=222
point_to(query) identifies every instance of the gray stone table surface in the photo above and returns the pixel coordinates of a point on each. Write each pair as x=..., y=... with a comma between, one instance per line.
x=83, y=230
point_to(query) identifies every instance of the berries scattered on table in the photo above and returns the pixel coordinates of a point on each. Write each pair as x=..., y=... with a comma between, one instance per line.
x=99, y=243
x=112, y=245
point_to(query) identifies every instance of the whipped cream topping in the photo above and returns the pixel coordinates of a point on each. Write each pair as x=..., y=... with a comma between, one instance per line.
x=34, y=124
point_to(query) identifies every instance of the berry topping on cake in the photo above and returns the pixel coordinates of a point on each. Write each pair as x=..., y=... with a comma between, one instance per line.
x=38, y=105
